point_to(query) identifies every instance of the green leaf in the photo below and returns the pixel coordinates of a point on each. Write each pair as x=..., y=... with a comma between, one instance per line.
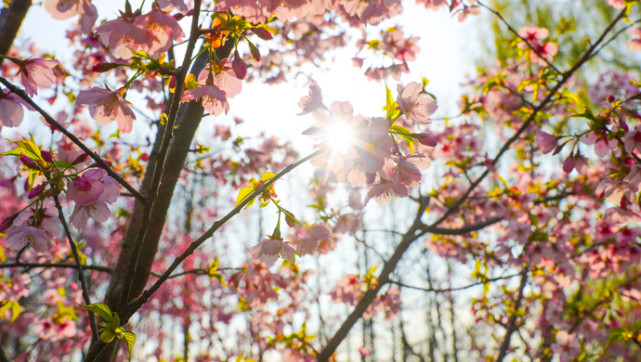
x=243, y=194
x=130, y=338
x=100, y=309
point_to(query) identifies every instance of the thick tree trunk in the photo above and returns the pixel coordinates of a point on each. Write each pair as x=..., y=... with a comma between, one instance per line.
x=11, y=19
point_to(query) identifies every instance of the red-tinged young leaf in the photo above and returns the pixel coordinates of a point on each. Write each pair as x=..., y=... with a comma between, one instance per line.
x=254, y=51
x=262, y=33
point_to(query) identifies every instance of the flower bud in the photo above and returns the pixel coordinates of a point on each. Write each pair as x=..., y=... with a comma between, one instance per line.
x=426, y=139
x=47, y=156
x=36, y=191
x=29, y=162
x=7, y=222
x=80, y=159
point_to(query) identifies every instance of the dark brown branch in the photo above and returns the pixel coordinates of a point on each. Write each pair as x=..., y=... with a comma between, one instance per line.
x=99, y=268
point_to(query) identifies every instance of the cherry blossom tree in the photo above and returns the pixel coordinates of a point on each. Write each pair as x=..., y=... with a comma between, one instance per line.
x=515, y=220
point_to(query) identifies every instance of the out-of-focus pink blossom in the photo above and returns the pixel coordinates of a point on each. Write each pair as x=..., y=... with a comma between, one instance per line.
x=11, y=112
x=269, y=250
x=313, y=102
x=545, y=141
x=65, y=9
x=107, y=106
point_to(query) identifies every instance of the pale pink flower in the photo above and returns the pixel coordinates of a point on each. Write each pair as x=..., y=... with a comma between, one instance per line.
x=566, y=346
x=107, y=106
x=617, y=4
x=310, y=238
x=65, y=9
x=269, y=250
x=161, y=30
x=213, y=99
x=123, y=37
x=545, y=141
x=19, y=236
x=414, y=104
x=98, y=211
x=407, y=173
x=578, y=162
x=634, y=43
x=167, y=5
x=632, y=140
x=533, y=34
x=36, y=73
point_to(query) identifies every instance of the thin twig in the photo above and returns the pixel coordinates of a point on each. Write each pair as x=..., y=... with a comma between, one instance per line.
x=453, y=289
x=81, y=274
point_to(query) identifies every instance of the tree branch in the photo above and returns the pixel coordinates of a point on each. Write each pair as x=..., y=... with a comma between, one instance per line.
x=138, y=302
x=73, y=138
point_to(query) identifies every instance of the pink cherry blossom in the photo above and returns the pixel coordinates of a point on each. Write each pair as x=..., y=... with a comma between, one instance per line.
x=81, y=214
x=533, y=34
x=19, y=236
x=107, y=106
x=632, y=140
x=123, y=37
x=310, y=238
x=578, y=162
x=161, y=31
x=313, y=102
x=414, y=104
x=634, y=43
x=213, y=99
x=36, y=73
x=167, y=5
x=269, y=250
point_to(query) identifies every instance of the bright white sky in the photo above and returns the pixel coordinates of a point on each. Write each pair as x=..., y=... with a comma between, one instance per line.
x=444, y=59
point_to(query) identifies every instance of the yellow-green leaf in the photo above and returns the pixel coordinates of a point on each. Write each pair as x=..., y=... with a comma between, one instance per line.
x=130, y=338
x=100, y=309
x=106, y=336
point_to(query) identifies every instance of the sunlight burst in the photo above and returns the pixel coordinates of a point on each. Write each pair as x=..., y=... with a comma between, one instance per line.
x=339, y=135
